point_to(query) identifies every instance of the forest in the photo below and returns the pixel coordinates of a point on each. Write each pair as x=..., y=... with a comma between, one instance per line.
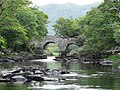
x=99, y=28
x=20, y=23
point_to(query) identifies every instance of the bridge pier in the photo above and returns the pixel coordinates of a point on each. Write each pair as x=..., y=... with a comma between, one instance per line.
x=63, y=54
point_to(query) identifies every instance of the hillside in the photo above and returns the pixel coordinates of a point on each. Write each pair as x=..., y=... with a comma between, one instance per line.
x=55, y=11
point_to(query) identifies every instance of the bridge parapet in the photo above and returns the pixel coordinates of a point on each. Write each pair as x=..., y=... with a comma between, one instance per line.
x=62, y=42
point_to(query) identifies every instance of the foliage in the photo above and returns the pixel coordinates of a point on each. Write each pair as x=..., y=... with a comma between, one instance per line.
x=66, y=27
x=114, y=57
x=13, y=32
x=34, y=21
x=42, y=21
x=2, y=42
x=100, y=27
x=19, y=23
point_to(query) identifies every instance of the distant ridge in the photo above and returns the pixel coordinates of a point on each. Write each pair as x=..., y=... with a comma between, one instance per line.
x=55, y=11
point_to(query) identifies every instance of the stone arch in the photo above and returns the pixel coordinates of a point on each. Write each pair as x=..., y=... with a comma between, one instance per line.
x=55, y=51
x=69, y=45
x=62, y=42
x=45, y=44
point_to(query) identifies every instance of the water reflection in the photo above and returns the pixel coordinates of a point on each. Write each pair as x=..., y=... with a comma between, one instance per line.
x=82, y=77
x=13, y=86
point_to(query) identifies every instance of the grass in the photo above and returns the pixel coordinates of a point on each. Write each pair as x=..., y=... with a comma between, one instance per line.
x=114, y=58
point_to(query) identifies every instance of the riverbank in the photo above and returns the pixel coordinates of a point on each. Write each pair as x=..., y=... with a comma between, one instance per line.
x=20, y=57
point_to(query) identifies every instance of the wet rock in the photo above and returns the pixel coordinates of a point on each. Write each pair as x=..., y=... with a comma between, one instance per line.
x=106, y=63
x=16, y=71
x=18, y=78
x=34, y=78
x=4, y=80
x=7, y=76
x=65, y=72
x=58, y=59
x=50, y=79
x=3, y=60
x=40, y=56
x=38, y=72
x=55, y=72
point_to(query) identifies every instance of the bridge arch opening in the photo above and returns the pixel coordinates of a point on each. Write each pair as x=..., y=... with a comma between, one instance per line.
x=51, y=49
x=71, y=49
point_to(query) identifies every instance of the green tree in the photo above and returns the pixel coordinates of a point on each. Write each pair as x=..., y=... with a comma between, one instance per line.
x=19, y=23
x=99, y=27
x=34, y=21
x=10, y=29
x=66, y=27
x=42, y=21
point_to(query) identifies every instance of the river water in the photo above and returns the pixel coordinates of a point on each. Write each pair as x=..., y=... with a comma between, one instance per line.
x=82, y=77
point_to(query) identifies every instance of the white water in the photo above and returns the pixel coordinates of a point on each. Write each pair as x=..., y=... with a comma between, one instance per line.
x=63, y=87
x=49, y=59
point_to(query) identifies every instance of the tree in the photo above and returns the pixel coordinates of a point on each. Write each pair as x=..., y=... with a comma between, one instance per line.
x=19, y=23
x=100, y=27
x=34, y=21
x=13, y=32
x=42, y=21
x=66, y=27
x=10, y=30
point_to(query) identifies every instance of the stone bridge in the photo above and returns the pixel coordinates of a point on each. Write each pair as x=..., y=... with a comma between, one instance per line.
x=62, y=43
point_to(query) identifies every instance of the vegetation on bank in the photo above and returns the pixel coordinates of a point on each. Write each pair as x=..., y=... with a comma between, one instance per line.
x=113, y=58
x=19, y=24
x=99, y=30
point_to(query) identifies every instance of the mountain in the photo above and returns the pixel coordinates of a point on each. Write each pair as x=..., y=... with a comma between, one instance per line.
x=68, y=10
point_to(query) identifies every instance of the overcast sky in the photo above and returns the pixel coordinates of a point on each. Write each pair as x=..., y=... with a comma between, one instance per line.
x=79, y=2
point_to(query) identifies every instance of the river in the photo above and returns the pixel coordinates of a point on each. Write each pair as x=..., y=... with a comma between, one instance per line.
x=82, y=77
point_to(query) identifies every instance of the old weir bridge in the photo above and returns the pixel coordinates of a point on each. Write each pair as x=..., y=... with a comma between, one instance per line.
x=62, y=43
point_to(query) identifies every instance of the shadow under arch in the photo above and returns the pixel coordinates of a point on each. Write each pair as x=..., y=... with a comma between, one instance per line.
x=46, y=44
x=70, y=45
x=51, y=48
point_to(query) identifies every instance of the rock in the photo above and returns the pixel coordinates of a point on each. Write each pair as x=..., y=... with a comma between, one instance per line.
x=50, y=79
x=4, y=80
x=19, y=78
x=34, y=78
x=6, y=60
x=38, y=72
x=40, y=56
x=16, y=71
x=65, y=72
x=106, y=63
x=55, y=72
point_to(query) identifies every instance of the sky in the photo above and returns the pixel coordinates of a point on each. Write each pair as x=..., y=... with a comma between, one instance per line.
x=79, y=2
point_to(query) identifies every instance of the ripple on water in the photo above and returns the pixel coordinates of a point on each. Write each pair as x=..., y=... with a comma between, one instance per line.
x=64, y=87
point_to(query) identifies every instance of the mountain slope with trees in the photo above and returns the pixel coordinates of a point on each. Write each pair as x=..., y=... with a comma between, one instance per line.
x=69, y=10
x=99, y=28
